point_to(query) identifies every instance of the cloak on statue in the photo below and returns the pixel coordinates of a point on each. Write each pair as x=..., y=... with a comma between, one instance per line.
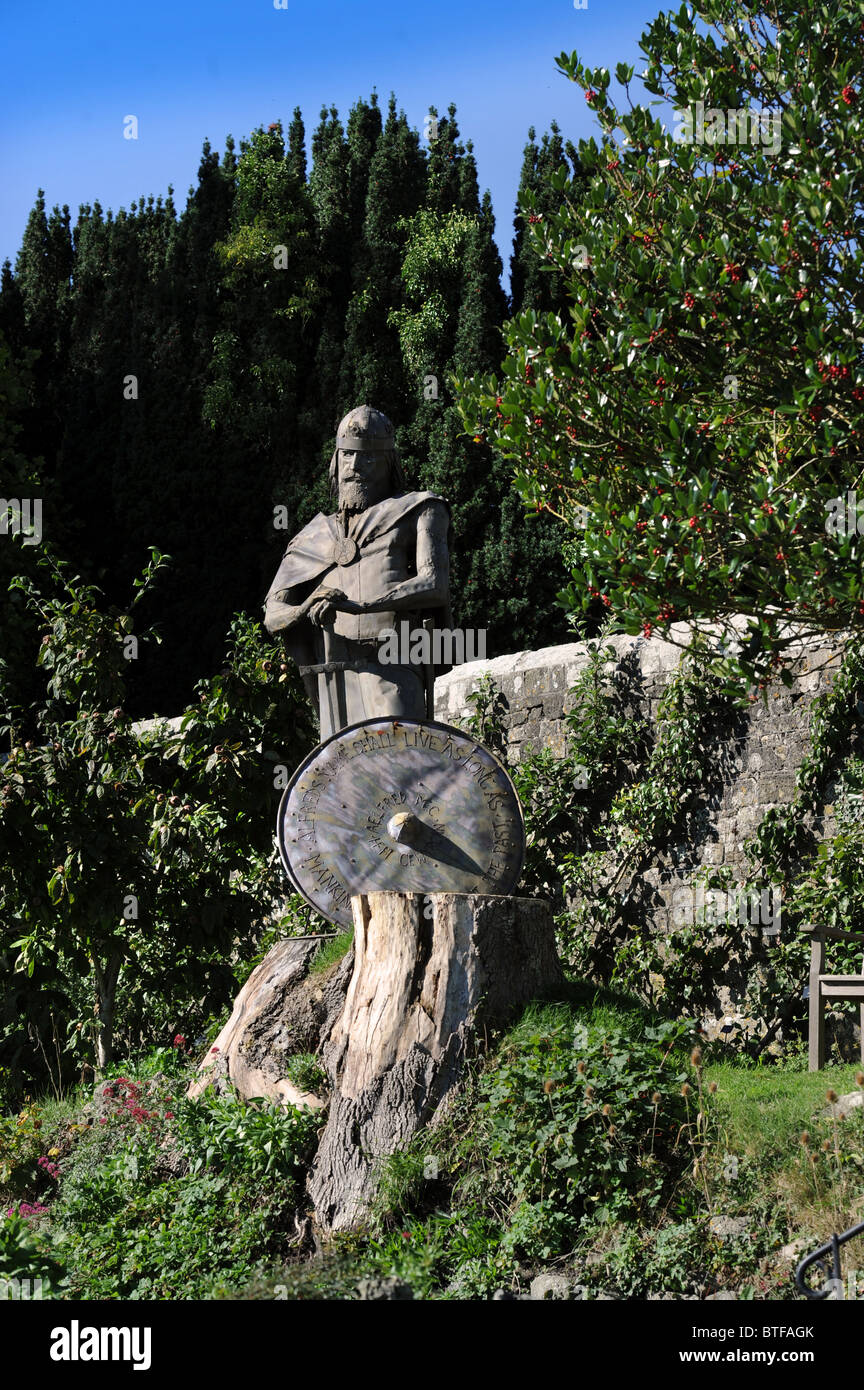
x=340, y=666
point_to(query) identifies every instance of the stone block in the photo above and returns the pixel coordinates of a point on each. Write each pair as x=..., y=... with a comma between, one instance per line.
x=774, y=790
x=553, y=707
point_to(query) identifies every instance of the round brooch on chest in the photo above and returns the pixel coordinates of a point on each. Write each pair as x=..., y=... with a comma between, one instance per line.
x=344, y=551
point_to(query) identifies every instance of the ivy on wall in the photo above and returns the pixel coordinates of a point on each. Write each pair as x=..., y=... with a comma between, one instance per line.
x=598, y=816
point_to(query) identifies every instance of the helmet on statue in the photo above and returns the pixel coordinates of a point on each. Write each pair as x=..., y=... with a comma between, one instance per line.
x=366, y=430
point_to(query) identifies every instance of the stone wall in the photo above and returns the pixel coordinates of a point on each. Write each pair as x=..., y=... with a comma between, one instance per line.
x=750, y=765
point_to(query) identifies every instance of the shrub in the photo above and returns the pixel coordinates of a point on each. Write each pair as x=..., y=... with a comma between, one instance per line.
x=168, y=1197
x=589, y=1118
x=20, y=1145
x=259, y=1139
x=136, y=855
x=24, y=1256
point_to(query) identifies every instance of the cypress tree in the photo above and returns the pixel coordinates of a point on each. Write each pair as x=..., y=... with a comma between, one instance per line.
x=531, y=285
x=43, y=270
x=388, y=284
x=272, y=292
x=296, y=154
x=19, y=480
x=363, y=133
x=506, y=569
x=372, y=368
x=447, y=187
x=337, y=241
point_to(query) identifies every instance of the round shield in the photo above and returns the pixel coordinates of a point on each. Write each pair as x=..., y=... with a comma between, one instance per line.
x=399, y=805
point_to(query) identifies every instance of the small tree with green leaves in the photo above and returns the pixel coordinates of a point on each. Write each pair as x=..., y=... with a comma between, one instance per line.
x=695, y=416
x=140, y=861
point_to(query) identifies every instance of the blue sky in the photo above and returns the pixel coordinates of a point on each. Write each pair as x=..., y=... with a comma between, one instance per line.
x=190, y=70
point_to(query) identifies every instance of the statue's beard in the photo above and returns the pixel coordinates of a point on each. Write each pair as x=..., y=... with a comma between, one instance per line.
x=354, y=496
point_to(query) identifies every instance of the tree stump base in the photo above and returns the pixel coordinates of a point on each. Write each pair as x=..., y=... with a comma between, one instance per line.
x=431, y=975
x=280, y=1011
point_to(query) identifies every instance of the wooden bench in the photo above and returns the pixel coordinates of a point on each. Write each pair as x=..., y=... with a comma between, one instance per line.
x=824, y=987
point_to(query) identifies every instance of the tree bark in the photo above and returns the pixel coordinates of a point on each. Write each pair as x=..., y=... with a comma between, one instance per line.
x=280, y=1011
x=431, y=976
x=106, y=992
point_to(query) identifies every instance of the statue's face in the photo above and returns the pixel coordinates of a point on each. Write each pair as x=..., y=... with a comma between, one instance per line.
x=364, y=478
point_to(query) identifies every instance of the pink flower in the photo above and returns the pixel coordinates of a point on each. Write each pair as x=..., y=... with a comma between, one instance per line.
x=213, y=1049
x=27, y=1209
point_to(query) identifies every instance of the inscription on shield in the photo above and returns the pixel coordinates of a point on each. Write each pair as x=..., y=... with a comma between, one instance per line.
x=403, y=806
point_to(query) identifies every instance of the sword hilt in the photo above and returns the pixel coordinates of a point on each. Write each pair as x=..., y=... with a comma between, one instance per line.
x=337, y=677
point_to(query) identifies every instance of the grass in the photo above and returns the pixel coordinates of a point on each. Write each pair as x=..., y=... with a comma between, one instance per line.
x=766, y=1110
x=306, y=1072
x=332, y=951
x=755, y=1167
x=448, y=1219
x=795, y=1167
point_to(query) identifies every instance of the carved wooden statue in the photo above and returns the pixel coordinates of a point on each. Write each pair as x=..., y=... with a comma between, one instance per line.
x=346, y=578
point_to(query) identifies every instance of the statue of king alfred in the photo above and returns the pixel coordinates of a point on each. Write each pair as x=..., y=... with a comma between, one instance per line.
x=346, y=578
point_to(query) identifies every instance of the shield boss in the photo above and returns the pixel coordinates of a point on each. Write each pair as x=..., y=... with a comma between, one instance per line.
x=399, y=805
